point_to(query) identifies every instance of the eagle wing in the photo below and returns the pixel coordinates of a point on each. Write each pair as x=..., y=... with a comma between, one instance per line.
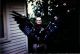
x=24, y=23
x=51, y=28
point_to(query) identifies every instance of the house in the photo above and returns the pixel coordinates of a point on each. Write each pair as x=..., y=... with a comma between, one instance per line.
x=14, y=40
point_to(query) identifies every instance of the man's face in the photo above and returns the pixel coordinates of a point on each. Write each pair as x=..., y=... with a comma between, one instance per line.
x=38, y=20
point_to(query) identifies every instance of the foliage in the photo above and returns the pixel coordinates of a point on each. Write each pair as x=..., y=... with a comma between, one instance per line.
x=47, y=9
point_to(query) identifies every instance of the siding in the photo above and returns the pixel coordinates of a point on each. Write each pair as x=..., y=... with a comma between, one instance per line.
x=18, y=41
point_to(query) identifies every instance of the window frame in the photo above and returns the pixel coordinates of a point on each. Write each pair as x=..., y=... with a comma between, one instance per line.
x=5, y=31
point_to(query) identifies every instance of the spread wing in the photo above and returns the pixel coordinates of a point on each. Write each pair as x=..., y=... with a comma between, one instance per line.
x=24, y=23
x=51, y=28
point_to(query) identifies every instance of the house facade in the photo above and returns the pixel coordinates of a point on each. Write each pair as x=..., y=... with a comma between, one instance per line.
x=14, y=40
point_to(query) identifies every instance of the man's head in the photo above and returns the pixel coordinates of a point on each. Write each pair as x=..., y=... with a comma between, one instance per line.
x=38, y=20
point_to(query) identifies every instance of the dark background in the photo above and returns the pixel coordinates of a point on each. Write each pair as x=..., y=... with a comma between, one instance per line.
x=66, y=38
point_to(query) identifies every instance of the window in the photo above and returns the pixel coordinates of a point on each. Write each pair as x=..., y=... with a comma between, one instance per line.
x=1, y=20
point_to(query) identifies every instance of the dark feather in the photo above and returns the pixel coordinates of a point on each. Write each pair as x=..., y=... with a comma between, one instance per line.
x=24, y=23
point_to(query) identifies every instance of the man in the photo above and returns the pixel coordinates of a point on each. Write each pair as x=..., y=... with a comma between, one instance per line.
x=38, y=21
x=39, y=44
